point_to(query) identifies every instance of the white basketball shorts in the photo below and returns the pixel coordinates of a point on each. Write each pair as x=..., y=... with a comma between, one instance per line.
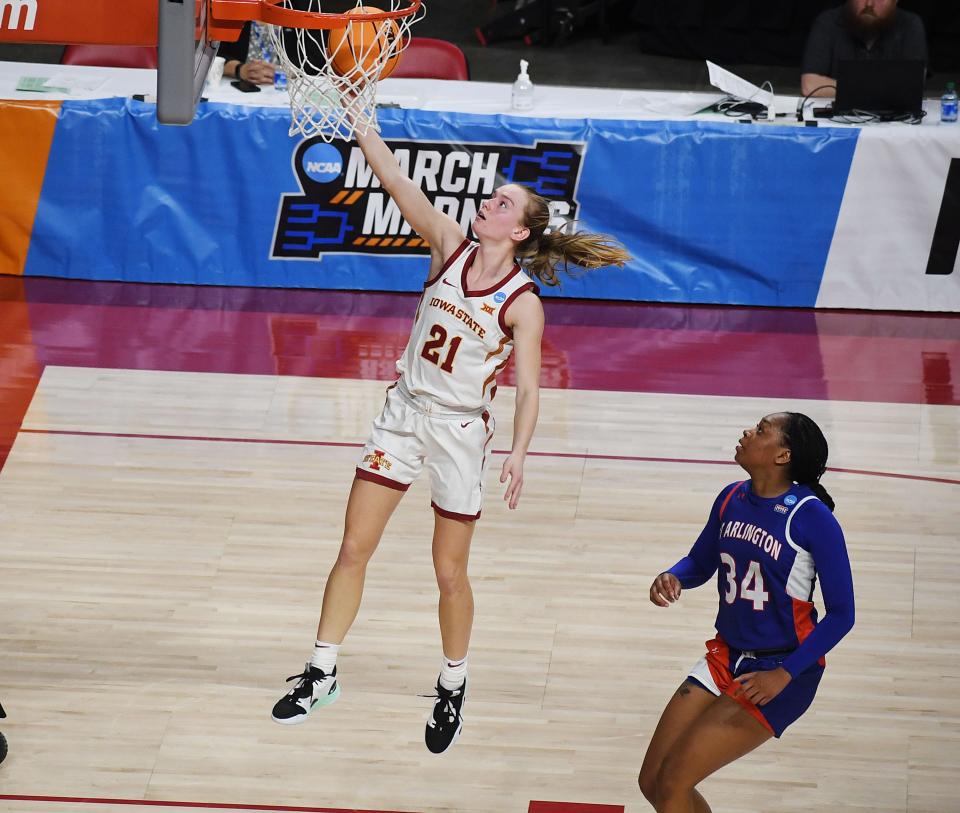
x=413, y=431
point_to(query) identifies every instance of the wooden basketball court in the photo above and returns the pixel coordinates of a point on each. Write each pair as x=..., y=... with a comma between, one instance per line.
x=174, y=466
x=166, y=536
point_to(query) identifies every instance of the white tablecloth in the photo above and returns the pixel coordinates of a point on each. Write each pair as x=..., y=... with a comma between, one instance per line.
x=550, y=101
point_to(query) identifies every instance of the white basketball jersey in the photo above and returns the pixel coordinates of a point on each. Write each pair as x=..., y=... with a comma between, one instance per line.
x=460, y=340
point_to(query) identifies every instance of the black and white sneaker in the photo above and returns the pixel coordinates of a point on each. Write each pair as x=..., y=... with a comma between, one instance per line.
x=314, y=688
x=446, y=720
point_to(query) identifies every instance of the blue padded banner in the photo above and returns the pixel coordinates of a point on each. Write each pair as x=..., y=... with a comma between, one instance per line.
x=710, y=211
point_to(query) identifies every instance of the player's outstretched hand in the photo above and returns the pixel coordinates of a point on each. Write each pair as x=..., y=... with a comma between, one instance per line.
x=512, y=471
x=665, y=590
x=762, y=687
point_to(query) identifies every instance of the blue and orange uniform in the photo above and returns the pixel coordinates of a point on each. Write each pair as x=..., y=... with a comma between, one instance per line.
x=768, y=554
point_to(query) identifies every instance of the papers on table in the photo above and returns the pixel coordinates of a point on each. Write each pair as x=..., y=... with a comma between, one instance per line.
x=62, y=83
x=737, y=87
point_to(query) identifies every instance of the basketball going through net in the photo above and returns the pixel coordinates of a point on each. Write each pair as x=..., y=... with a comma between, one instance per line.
x=333, y=61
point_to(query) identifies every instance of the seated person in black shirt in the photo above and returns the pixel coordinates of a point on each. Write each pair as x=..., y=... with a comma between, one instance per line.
x=859, y=29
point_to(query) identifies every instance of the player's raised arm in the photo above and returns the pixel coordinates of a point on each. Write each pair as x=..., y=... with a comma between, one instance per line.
x=442, y=232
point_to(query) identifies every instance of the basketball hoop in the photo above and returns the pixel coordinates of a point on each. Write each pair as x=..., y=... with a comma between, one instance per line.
x=334, y=61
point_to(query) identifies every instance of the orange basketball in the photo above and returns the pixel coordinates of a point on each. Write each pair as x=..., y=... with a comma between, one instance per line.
x=359, y=46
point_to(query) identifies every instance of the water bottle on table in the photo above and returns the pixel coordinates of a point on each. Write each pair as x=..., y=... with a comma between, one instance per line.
x=522, y=98
x=280, y=79
x=948, y=103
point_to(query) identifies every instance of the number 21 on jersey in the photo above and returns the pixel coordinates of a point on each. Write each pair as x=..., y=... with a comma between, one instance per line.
x=433, y=348
x=750, y=586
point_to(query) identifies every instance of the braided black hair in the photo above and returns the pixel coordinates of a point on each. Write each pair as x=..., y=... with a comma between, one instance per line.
x=808, y=453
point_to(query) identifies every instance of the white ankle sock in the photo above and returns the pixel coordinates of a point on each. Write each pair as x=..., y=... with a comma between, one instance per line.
x=325, y=656
x=452, y=673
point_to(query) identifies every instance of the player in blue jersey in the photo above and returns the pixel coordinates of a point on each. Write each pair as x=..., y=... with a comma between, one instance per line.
x=768, y=538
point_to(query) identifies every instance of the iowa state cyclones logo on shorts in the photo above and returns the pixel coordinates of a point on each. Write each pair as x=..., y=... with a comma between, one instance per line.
x=377, y=460
x=341, y=206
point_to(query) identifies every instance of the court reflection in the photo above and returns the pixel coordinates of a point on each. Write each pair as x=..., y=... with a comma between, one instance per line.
x=632, y=347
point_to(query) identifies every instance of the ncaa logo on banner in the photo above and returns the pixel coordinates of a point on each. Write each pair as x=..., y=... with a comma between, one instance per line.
x=322, y=163
x=341, y=206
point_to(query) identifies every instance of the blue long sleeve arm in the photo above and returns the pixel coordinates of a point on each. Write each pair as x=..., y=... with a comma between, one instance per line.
x=822, y=536
x=691, y=573
x=698, y=566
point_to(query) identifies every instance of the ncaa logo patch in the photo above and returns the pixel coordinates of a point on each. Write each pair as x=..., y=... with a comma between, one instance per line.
x=322, y=163
x=499, y=296
x=790, y=499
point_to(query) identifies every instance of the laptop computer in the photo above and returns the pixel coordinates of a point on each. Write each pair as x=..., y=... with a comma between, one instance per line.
x=888, y=87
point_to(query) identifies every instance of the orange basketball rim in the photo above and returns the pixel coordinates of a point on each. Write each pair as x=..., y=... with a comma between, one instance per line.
x=100, y=21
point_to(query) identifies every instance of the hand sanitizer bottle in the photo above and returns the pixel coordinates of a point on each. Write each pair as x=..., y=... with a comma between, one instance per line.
x=523, y=89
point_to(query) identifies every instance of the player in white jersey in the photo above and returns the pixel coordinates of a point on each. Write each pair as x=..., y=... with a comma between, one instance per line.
x=478, y=305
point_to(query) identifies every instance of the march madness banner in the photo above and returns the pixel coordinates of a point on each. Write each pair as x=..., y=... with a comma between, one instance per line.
x=341, y=207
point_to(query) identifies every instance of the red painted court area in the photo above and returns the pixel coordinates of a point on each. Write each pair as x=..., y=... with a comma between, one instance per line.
x=704, y=350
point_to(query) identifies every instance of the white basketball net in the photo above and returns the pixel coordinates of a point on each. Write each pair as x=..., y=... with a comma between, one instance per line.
x=322, y=101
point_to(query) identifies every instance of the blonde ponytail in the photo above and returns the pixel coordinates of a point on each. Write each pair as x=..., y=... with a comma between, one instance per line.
x=541, y=253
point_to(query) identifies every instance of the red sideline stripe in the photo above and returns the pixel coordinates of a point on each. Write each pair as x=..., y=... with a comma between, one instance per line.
x=139, y=436
x=89, y=800
x=569, y=455
x=572, y=807
x=896, y=476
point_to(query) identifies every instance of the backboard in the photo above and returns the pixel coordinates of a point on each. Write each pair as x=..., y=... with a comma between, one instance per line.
x=184, y=55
